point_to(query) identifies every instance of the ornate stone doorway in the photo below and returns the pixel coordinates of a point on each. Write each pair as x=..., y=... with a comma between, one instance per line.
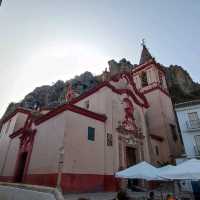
x=131, y=157
x=130, y=152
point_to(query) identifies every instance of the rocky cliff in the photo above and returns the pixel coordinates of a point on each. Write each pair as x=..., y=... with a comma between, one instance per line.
x=181, y=86
x=47, y=96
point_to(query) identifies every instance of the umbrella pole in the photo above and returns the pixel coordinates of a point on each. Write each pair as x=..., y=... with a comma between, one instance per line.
x=161, y=195
x=147, y=194
x=175, y=188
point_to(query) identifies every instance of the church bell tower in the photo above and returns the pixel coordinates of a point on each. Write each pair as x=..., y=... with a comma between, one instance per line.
x=149, y=77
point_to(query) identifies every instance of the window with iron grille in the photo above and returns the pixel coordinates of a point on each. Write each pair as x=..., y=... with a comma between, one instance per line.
x=197, y=143
x=193, y=120
x=109, y=139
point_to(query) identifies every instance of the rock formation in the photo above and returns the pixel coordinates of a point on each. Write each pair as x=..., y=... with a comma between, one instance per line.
x=181, y=86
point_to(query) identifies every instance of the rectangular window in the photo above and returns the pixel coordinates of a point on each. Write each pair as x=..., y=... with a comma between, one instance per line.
x=109, y=139
x=193, y=116
x=91, y=133
x=194, y=120
x=197, y=143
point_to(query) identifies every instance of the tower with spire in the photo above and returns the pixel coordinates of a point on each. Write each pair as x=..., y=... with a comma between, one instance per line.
x=149, y=74
x=149, y=77
x=145, y=55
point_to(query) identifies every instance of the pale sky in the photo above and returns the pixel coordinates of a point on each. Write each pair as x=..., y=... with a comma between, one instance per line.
x=42, y=41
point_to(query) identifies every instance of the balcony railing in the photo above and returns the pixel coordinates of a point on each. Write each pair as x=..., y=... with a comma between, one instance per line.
x=192, y=125
x=197, y=150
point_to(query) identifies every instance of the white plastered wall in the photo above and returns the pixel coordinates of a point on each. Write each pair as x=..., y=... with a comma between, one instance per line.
x=80, y=155
x=8, y=147
x=111, y=104
x=48, y=140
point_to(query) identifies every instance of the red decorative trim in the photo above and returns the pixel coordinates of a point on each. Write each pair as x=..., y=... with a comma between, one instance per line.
x=27, y=126
x=72, y=108
x=165, y=92
x=76, y=182
x=72, y=182
x=41, y=179
x=143, y=66
x=115, y=90
x=156, y=88
x=90, y=92
x=6, y=179
x=130, y=81
x=111, y=183
x=29, y=150
x=157, y=137
x=139, y=70
x=16, y=133
x=21, y=110
x=26, y=145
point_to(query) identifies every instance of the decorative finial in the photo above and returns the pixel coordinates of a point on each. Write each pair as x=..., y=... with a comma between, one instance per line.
x=69, y=93
x=143, y=42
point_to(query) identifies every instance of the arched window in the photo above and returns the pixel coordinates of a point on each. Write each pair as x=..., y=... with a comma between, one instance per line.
x=143, y=78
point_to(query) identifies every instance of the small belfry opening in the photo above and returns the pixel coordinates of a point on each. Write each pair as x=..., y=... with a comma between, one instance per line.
x=143, y=77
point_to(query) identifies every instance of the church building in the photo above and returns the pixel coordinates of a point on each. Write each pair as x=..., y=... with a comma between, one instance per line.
x=79, y=145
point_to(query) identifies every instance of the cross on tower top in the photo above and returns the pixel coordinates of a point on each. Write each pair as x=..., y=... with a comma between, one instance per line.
x=143, y=42
x=145, y=55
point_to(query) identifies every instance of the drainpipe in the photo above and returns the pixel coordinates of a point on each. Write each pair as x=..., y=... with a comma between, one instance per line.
x=60, y=167
x=147, y=147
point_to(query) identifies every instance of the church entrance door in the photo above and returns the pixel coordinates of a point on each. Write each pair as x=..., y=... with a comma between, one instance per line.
x=131, y=159
x=130, y=156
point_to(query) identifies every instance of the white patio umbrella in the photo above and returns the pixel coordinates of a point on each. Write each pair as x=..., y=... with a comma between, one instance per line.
x=187, y=170
x=165, y=168
x=142, y=170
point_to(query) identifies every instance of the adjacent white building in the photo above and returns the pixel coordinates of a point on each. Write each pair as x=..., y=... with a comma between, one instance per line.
x=188, y=114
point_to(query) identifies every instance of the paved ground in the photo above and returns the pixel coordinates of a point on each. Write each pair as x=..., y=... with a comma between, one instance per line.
x=103, y=196
x=91, y=196
x=16, y=191
x=11, y=193
x=110, y=196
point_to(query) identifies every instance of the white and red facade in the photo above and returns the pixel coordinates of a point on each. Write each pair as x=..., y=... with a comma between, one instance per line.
x=130, y=122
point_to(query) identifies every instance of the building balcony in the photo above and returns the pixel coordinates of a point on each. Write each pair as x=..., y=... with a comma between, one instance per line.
x=193, y=125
